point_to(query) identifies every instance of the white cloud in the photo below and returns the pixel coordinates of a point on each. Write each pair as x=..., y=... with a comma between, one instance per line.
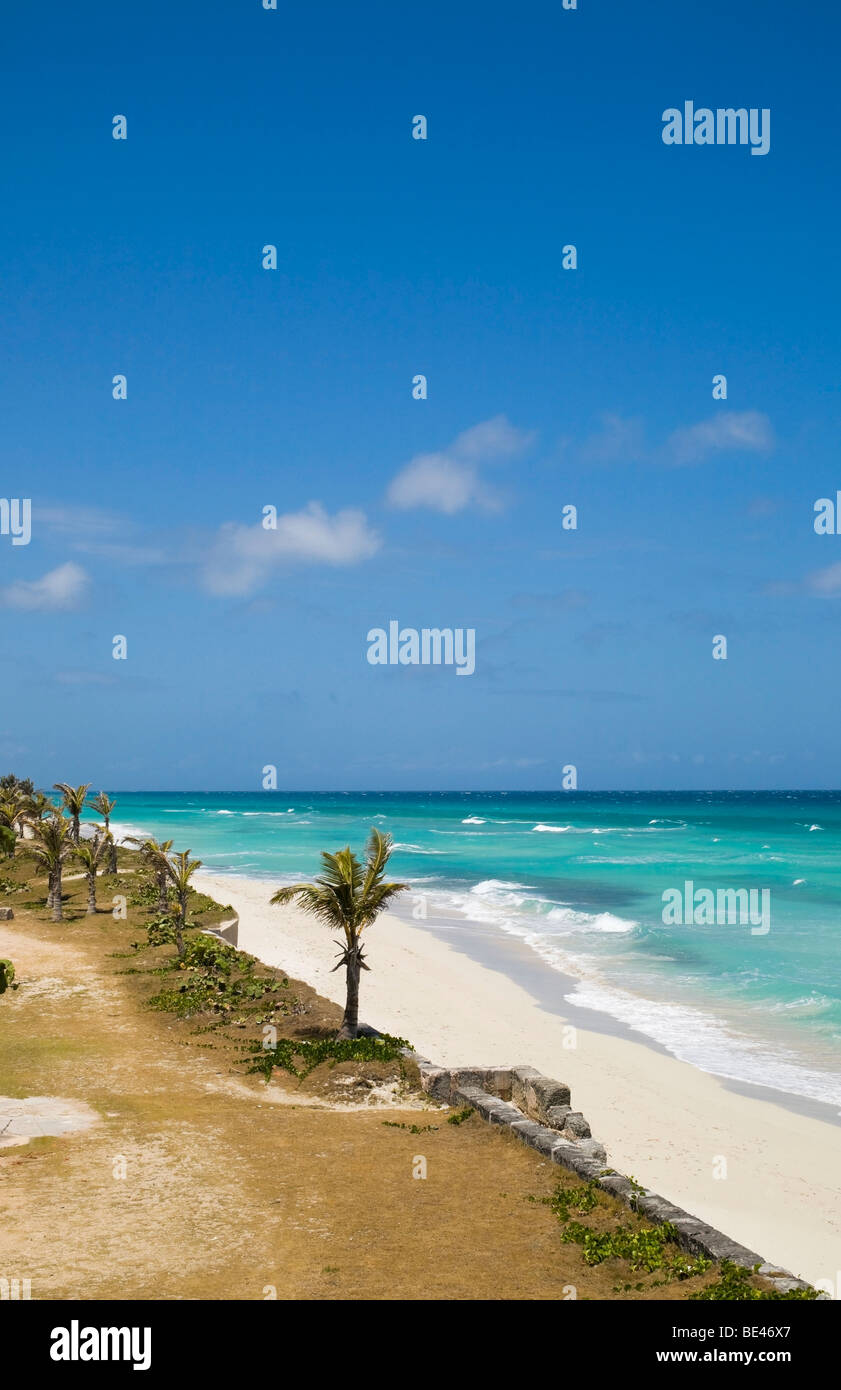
x=618, y=441
x=496, y=438
x=56, y=591
x=81, y=522
x=731, y=430
x=439, y=482
x=826, y=583
x=92, y=531
x=622, y=440
x=242, y=557
x=450, y=480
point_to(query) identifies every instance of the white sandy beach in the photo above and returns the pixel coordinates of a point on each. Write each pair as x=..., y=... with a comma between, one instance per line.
x=662, y=1121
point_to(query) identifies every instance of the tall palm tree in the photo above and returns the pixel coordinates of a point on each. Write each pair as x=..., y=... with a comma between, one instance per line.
x=348, y=896
x=181, y=869
x=92, y=852
x=155, y=856
x=74, y=802
x=104, y=806
x=53, y=843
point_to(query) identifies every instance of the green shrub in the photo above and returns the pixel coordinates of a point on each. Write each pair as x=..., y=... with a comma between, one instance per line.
x=734, y=1283
x=647, y=1248
x=7, y=976
x=161, y=930
x=219, y=979
x=288, y=1051
x=460, y=1116
x=147, y=894
x=209, y=953
x=580, y=1199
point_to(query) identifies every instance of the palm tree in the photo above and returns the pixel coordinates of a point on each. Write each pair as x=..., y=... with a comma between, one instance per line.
x=348, y=896
x=40, y=806
x=91, y=853
x=104, y=806
x=156, y=857
x=180, y=869
x=13, y=810
x=74, y=801
x=52, y=844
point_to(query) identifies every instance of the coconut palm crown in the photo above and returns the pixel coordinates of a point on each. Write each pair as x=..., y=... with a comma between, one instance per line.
x=103, y=805
x=74, y=802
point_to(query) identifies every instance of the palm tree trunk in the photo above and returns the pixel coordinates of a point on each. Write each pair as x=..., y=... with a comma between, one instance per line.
x=180, y=923
x=50, y=887
x=92, y=893
x=56, y=904
x=162, y=898
x=350, y=1021
x=75, y=830
x=112, y=848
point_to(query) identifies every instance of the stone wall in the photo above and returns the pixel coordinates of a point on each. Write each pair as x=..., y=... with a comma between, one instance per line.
x=539, y=1111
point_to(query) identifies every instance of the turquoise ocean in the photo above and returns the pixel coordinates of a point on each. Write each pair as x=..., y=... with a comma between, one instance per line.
x=577, y=880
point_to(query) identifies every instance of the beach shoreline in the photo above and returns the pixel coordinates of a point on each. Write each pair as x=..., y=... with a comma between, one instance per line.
x=668, y=1124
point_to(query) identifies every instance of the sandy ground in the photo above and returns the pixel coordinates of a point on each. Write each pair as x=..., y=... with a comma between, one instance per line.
x=662, y=1121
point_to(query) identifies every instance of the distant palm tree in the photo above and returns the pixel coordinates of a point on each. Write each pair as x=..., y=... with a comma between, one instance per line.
x=14, y=809
x=40, y=806
x=104, y=806
x=52, y=845
x=74, y=802
x=181, y=869
x=156, y=857
x=349, y=896
x=92, y=852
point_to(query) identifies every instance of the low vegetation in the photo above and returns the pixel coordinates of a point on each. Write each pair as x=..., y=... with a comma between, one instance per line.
x=300, y=1058
x=617, y=1239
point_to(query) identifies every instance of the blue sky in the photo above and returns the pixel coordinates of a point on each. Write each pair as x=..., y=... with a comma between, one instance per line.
x=293, y=388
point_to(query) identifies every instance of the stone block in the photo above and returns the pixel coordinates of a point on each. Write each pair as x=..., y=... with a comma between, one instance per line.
x=593, y=1149
x=436, y=1082
x=576, y=1127
x=536, y=1094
